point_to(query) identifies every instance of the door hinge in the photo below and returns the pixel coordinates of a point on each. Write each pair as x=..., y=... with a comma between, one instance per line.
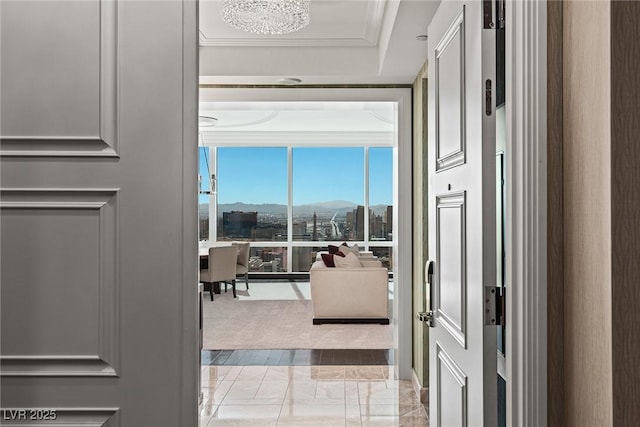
x=493, y=14
x=494, y=308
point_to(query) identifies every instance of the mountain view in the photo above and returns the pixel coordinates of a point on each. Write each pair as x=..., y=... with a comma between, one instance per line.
x=341, y=207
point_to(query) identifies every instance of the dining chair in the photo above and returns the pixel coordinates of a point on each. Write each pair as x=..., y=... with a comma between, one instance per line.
x=221, y=268
x=242, y=265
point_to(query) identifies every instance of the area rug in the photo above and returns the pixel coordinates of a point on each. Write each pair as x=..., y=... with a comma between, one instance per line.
x=260, y=322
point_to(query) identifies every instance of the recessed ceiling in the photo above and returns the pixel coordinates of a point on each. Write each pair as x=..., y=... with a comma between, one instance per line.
x=299, y=123
x=333, y=24
x=346, y=42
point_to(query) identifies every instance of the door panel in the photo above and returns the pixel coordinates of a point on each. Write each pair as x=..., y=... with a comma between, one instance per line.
x=452, y=386
x=98, y=211
x=462, y=226
x=449, y=106
x=451, y=291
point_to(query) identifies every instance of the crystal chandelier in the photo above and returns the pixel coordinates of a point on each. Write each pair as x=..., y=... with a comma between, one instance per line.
x=266, y=16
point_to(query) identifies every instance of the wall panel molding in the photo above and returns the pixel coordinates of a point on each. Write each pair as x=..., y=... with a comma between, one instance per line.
x=105, y=143
x=106, y=361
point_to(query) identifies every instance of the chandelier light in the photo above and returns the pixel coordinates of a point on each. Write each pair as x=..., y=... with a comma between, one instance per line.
x=266, y=16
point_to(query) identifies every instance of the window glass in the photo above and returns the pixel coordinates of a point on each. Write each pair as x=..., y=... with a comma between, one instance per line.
x=303, y=257
x=384, y=254
x=328, y=194
x=268, y=259
x=252, y=193
x=204, y=188
x=381, y=194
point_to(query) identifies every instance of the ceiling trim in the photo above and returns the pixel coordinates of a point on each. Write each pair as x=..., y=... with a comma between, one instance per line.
x=375, y=14
x=275, y=139
x=308, y=86
x=292, y=42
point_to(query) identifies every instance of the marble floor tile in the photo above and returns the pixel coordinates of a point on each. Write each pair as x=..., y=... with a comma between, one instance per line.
x=296, y=411
x=216, y=394
x=330, y=390
x=380, y=373
x=257, y=413
x=272, y=389
x=301, y=390
x=328, y=373
x=243, y=390
x=312, y=422
x=279, y=373
x=253, y=402
x=252, y=373
x=288, y=397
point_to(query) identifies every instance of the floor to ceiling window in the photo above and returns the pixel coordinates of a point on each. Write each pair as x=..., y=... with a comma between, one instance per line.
x=291, y=197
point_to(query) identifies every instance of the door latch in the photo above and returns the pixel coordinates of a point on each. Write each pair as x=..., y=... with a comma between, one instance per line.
x=427, y=316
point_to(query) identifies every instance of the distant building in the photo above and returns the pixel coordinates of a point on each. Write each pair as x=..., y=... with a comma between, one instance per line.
x=302, y=258
x=376, y=226
x=300, y=231
x=389, y=222
x=359, y=223
x=236, y=224
x=203, y=228
x=314, y=235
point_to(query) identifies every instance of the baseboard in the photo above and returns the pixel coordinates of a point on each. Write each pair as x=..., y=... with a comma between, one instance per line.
x=322, y=320
x=423, y=392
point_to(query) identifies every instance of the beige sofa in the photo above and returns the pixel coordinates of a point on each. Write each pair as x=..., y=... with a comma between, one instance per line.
x=350, y=295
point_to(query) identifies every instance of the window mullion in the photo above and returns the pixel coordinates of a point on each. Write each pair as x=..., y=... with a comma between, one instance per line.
x=366, y=198
x=289, y=209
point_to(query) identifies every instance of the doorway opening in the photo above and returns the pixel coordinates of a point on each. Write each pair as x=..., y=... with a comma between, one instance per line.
x=355, y=140
x=293, y=180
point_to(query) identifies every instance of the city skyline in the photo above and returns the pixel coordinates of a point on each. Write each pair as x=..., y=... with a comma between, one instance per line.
x=328, y=194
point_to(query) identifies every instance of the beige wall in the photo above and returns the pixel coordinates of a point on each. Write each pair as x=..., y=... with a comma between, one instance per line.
x=420, y=331
x=599, y=345
x=587, y=210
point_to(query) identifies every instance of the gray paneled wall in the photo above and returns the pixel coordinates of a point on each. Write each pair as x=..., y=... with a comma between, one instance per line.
x=98, y=211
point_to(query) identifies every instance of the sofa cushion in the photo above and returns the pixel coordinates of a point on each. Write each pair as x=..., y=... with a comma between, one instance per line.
x=329, y=260
x=350, y=260
x=354, y=249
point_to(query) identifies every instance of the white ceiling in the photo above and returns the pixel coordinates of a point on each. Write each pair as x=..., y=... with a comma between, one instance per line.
x=299, y=123
x=346, y=42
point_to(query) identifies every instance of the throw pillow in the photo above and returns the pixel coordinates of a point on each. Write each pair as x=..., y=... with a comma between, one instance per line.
x=350, y=260
x=344, y=248
x=355, y=249
x=333, y=249
x=328, y=259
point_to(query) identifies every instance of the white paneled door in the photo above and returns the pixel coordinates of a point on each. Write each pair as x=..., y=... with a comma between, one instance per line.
x=98, y=213
x=461, y=108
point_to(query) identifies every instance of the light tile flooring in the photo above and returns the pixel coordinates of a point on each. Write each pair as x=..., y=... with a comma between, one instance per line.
x=300, y=396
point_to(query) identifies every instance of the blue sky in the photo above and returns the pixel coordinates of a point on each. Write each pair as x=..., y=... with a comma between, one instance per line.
x=259, y=175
